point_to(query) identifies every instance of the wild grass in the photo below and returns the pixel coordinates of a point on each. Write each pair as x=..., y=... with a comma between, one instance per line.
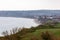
x=33, y=33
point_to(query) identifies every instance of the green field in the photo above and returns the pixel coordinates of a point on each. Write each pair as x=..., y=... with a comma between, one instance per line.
x=37, y=33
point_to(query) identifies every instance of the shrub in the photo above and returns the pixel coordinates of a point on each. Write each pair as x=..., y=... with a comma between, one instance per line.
x=47, y=36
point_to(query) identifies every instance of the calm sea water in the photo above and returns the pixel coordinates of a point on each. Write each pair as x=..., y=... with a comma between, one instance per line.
x=7, y=23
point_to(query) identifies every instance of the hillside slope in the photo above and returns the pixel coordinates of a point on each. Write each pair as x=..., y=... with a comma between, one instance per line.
x=33, y=33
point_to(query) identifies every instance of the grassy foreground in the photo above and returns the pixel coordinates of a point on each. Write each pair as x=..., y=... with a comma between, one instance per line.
x=34, y=33
x=37, y=33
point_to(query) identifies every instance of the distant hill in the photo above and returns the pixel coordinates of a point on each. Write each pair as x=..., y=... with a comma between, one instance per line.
x=28, y=14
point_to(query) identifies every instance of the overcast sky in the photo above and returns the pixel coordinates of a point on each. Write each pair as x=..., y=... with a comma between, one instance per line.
x=29, y=4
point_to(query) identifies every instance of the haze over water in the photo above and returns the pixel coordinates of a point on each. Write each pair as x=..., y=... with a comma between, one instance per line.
x=8, y=23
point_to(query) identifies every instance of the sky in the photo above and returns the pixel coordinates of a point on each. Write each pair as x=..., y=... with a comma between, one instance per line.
x=29, y=4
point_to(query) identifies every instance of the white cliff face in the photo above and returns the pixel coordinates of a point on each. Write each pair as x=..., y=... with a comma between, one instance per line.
x=7, y=23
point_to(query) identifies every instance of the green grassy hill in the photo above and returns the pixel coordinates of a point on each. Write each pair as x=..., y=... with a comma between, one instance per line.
x=37, y=33
x=34, y=33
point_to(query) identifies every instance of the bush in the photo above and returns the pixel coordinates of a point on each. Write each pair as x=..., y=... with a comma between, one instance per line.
x=47, y=36
x=12, y=35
